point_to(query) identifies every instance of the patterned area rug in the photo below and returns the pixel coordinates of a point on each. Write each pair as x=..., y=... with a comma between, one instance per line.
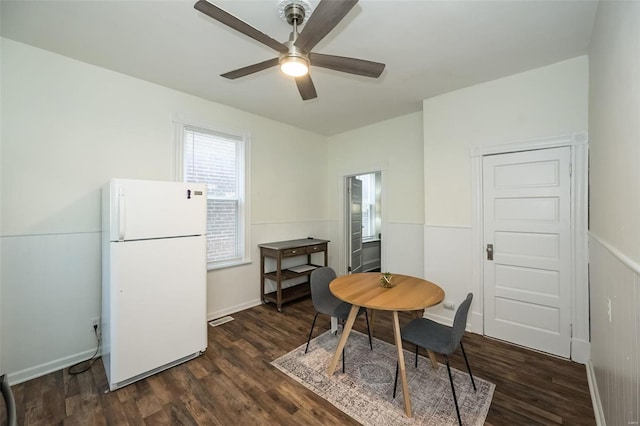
x=365, y=391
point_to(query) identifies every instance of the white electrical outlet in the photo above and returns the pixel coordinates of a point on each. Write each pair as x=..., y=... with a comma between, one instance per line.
x=95, y=322
x=609, y=308
x=448, y=304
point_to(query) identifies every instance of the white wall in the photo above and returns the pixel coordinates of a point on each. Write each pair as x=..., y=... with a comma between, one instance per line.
x=67, y=127
x=614, y=128
x=544, y=102
x=394, y=147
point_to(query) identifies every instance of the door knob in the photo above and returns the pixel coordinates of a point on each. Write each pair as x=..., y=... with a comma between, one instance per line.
x=489, y=251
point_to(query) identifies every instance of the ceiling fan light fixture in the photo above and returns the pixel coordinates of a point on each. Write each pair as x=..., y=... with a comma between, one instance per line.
x=295, y=56
x=294, y=66
x=301, y=8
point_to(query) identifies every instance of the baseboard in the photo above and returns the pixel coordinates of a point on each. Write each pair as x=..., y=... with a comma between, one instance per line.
x=438, y=318
x=446, y=321
x=233, y=309
x=61, y=363
x=580, y=351
x=49, y=367
x=595, y=395
x=477, y=322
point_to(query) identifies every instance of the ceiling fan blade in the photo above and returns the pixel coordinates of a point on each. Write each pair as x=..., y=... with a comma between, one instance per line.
x=324, y=18
x=344, y=64
x=306, y=88
x=241, y=72
x=231, y=21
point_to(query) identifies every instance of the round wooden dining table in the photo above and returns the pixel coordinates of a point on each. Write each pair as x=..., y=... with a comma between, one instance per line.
x=364, y=290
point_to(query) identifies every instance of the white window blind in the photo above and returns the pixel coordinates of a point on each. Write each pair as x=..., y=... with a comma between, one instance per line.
x=217, y=159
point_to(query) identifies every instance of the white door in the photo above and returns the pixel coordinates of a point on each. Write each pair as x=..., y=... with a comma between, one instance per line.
x=527, y=266
x=355, y=224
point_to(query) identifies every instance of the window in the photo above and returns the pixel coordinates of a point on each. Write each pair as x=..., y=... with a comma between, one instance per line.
x=220, y=160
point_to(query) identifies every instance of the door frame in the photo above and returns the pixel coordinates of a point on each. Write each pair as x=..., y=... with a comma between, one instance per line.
x=343, y=225
x=349, y=224
x=578, y=142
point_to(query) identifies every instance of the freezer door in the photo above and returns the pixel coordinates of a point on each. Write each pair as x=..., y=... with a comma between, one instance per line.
x=158, y=304
x=140, y=209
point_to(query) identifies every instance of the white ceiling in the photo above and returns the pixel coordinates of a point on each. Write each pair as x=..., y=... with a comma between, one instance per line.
x=429, y=47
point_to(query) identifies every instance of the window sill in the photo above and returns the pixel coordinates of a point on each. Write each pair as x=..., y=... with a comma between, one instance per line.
x=216, y=266
x=370, y=240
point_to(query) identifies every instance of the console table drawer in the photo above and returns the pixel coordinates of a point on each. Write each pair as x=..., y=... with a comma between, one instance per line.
x=294, y=252
x=317, y=248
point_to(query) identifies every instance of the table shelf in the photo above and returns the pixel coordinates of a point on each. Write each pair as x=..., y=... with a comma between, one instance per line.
x=288, y=274
x=289, y=294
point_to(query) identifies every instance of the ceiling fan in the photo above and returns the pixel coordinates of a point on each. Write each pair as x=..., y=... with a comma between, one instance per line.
x=295, y=55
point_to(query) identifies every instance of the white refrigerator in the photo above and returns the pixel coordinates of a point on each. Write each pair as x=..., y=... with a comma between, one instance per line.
x=153, y=277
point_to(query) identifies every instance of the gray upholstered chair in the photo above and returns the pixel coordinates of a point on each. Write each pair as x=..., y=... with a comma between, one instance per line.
x=9, y=401
x=326, y=303
x=439, y=338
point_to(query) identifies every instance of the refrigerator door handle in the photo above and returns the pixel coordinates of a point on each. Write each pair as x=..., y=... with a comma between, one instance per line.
x=121, y=215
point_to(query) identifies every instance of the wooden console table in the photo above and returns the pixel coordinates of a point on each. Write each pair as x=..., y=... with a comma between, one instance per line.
x=280, y=250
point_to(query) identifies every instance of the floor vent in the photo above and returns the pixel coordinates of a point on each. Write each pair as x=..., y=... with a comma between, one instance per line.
x=220, y=321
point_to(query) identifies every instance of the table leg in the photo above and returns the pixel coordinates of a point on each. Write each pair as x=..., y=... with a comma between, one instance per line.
x=432, y=357
x=401, y=367
x=343, y=338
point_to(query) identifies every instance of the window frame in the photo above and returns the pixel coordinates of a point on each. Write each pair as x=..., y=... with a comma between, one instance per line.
x=243, y=150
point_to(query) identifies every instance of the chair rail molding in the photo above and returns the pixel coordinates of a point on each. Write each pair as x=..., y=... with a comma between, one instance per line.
x=578, y=142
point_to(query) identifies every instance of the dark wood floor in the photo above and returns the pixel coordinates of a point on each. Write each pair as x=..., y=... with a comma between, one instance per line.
x=234, y=383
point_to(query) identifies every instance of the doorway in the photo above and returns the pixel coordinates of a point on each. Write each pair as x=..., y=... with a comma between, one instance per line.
x=527, y=267
x=363, y=220
x=532, y=292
